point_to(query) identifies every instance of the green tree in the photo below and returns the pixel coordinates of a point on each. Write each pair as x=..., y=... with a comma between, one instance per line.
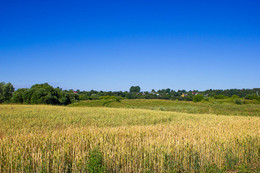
x=64, y=98
x=6, y=92
x=18, y=95
x=1, y=92
x=135, y=89
x=43, y=94
x=168, y=90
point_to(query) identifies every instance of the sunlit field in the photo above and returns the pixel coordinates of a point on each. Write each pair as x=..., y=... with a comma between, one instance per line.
x=39, y=138
x=213, y=106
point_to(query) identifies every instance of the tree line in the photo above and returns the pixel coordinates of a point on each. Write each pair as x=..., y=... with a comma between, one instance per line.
x=47, y=94
x=169, y=94
x=37, y=94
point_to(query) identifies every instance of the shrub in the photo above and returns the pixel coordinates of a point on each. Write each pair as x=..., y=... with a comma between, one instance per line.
x=238, y=102
x=118, y=99
x=107, y=97
x=220, y=96
x=180, y=98
x=94, y=97
x=188, y=98
x=234, y=97
x=83, y=97
x=206, y=99
x=251, y=96
x=197, y=98
x=162, y=108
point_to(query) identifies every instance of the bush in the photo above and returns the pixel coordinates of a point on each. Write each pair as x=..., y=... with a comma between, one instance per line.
x=197, y=98
x=94, y=97
x=238, y=102
x=206, y=99
x=180, y=98
x=251, y=96
x=220, y=96
x=83, y=97
x=107, y=97
x=118, y=99
x=188, y=98
x=234, y=97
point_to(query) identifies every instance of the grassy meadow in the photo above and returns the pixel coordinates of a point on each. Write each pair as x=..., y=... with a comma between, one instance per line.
x=214, y=106
x=92, y=137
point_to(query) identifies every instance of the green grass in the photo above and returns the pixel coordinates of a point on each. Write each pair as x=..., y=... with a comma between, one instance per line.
x=218, y=107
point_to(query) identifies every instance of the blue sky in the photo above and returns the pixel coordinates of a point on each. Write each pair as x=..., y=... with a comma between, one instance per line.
x=112, y=45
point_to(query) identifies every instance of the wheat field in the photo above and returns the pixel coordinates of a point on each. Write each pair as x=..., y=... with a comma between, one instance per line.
x=40, y=138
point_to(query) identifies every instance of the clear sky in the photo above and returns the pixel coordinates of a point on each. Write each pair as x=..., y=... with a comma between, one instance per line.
x=112, y=45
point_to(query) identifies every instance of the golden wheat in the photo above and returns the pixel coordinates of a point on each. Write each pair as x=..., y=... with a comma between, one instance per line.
x=60, y=139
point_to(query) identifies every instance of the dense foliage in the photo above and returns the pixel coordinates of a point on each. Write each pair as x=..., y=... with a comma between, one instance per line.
x=169, y=94
x=135, y=89
x=197, y=98
x=46, y=94
x=43, y=94
x=6, y=91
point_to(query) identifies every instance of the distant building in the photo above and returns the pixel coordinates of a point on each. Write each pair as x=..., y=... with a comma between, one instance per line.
x=183, y=95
